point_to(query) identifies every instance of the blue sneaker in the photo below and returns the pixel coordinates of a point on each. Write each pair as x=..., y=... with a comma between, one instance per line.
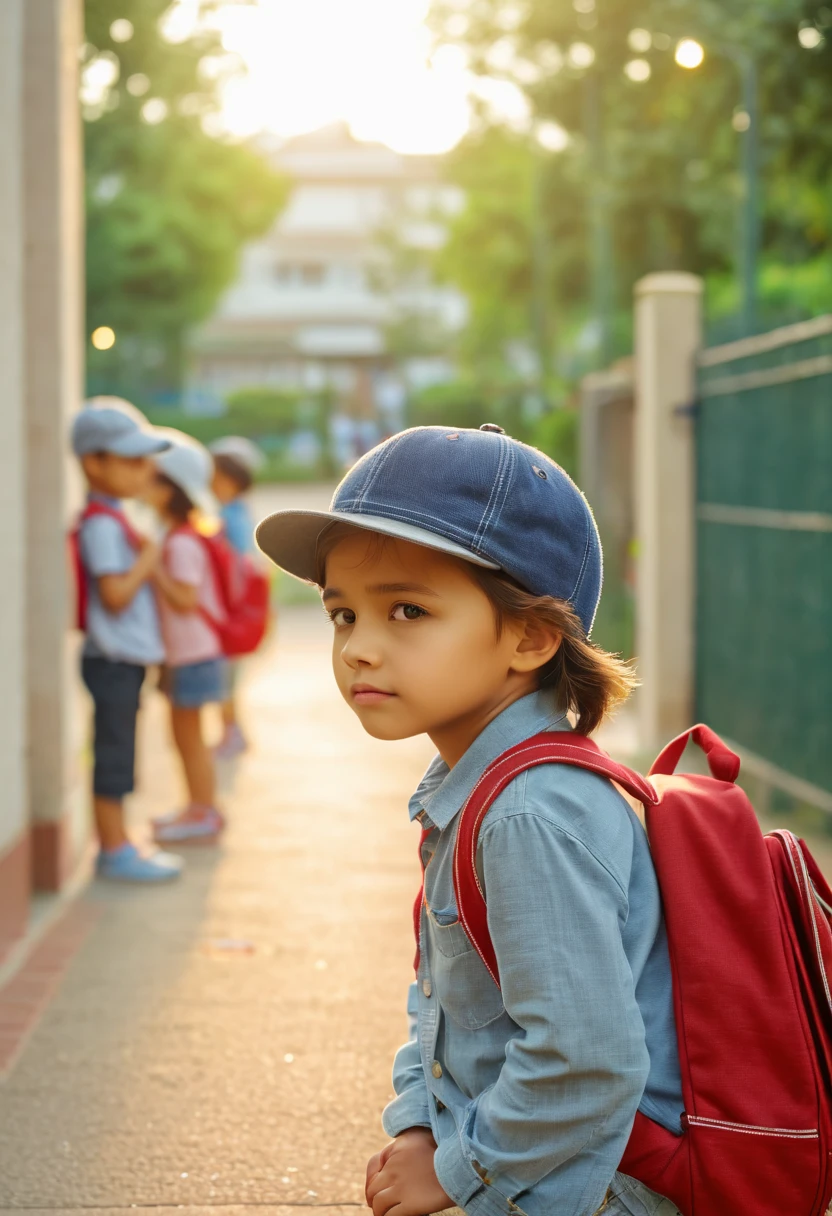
x=127, y=864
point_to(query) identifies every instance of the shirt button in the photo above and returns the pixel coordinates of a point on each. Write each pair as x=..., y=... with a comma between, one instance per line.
x=436, y=1069
x=427, y=987
x=440, y=1106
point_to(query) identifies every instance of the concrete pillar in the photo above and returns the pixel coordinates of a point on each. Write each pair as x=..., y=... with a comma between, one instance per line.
x=14, y=843
x=668, y=336
x=53, y=32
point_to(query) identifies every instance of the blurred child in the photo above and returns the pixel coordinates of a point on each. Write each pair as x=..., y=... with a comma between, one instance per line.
x=194, y=673
x=114, y=446
x=236, y=461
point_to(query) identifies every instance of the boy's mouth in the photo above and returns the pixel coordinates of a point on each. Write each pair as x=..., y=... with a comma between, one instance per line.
x=368, y=694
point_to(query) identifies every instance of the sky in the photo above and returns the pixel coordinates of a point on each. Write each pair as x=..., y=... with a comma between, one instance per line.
x=367, y=62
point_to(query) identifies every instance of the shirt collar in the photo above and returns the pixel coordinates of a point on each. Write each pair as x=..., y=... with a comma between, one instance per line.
x=442, y=791
x=107, y=499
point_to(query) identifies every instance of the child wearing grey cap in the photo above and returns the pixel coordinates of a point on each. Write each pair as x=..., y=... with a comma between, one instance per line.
x=114, y=446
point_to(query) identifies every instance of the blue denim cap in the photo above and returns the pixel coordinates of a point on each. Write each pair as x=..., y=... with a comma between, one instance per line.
x=478, y=495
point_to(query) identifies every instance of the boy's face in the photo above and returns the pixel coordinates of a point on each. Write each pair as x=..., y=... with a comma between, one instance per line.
x=225, y=488
x=118, y=476
x=415, y=648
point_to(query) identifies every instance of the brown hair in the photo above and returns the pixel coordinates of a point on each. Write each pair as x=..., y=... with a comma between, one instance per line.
x=178, y=506
x=584, y=679
x=234, y=469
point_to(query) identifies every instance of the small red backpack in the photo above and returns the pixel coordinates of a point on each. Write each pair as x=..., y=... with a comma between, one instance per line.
x=243, y=592
x=82, y=587
x=749, y=926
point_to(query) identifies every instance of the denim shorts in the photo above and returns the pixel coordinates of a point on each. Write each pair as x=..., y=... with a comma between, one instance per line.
x=114, y=688
x=195, y=684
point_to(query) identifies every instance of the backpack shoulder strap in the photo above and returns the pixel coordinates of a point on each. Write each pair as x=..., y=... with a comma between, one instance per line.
x=102, y=508
x=550, y=747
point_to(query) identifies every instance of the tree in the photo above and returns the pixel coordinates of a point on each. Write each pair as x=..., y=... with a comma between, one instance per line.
x=170, y=203
x=656, y=147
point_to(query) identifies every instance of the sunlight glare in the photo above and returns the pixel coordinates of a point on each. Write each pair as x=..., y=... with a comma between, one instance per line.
x=367, y=63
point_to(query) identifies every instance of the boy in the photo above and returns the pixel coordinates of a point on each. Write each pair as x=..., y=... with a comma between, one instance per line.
x=114, y=447
x=462, y=571
x=236, y=461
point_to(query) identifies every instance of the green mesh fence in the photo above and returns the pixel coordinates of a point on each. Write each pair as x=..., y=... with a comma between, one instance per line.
x=764, y=578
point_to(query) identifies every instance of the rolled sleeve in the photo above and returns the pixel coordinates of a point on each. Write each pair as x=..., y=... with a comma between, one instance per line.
x=411, y=1106
x=565, y=1099
x=104, y=547
x=458, y=1176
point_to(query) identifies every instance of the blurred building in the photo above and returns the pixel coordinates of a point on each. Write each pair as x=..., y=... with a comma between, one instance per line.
x=339, y=293
x=44, y=799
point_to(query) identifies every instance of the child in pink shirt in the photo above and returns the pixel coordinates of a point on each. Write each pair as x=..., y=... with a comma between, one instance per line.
x=194, y=673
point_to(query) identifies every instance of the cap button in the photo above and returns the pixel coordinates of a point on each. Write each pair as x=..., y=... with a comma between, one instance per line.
x=493, y=426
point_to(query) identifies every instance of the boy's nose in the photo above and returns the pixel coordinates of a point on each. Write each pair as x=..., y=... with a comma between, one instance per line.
x=361, y=649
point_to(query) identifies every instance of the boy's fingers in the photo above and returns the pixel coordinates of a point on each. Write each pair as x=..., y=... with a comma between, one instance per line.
x=385, y=1201
x=379, y=1182
x=373, y=1167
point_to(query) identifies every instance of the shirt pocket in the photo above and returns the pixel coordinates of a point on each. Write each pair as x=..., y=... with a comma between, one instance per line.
x=465, y=990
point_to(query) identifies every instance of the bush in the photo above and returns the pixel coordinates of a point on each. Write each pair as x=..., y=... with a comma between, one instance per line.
x=256, y=412
x=556, y=434
x=457, y=403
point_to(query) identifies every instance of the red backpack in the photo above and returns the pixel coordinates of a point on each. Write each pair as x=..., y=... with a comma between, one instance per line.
x=749, y=925
x=243, y=592
x=82, y=587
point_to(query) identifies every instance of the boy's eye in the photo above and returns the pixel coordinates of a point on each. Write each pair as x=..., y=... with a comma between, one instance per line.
x=341, y=617
x=407, y=612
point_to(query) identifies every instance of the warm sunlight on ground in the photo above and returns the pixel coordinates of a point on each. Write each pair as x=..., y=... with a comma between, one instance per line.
x=369, y=62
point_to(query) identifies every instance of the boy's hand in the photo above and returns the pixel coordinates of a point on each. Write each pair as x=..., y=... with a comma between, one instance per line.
x=401, y=1178
x=118, y=590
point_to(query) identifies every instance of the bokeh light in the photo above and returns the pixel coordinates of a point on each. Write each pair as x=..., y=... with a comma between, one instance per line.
x=741, y=120
x=639, y=41
x=103, y=338
x=154, y=110
x=121, y=30
x=137, y=84
x=581, y=55
x=689, y=53
x=809, y=37
x=637, y=70
x=552, y=136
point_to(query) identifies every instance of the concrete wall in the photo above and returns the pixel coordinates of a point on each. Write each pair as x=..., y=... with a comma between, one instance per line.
x=13, y=795
x=53, y=31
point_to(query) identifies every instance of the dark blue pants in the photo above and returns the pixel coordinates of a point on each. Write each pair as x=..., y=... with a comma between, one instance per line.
x=115, y=689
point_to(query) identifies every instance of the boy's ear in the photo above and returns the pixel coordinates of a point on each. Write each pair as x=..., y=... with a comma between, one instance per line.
x=536, y=645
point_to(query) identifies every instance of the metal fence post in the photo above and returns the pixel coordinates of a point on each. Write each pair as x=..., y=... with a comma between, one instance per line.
x=667, y=339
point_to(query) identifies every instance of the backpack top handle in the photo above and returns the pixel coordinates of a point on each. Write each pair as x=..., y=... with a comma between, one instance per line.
x=723, y=763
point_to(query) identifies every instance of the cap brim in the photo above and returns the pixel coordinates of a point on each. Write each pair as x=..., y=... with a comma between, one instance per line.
x=291, y=538
x=139, y=443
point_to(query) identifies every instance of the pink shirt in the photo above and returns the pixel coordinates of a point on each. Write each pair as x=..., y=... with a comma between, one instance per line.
x=187, y=635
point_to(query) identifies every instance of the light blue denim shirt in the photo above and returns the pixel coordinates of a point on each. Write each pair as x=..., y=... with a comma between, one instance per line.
x=531, y=1091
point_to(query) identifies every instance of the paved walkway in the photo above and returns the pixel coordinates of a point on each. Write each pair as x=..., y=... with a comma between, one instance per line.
x=227, y=1041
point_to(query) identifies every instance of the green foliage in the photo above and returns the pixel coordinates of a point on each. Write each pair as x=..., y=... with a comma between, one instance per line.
x=556, y=434
x=660, y=157
x=169, y=206
x=263, y=411
x=457, y=403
